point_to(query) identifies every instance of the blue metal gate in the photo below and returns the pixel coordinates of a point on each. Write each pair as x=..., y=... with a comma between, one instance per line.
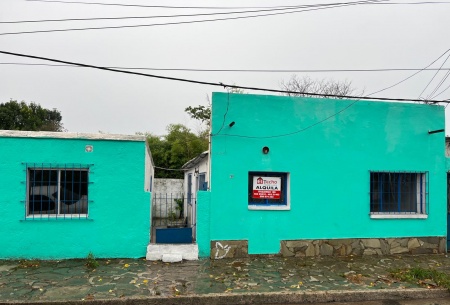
x=172, y=218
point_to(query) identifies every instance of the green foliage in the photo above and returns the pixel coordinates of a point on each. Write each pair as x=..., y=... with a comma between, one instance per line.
x=180, y=206
x=423, y=277
x=91, y=262
x=201, y=113
x=175, y=149
x=172, y=216
x=32, y=117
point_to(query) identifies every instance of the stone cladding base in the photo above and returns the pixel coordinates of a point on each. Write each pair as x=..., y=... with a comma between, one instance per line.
x=337, y=247
x=363, y=246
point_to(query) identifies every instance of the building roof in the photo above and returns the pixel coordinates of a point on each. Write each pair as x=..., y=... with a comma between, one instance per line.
x=69, y=135
x=195, y=161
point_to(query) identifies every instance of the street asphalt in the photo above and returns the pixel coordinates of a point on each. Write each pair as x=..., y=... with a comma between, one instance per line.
x=254, y=280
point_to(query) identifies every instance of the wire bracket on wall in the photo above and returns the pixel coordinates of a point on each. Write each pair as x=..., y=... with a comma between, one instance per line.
x=435, y=131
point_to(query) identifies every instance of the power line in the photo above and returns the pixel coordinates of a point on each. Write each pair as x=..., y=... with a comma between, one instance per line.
x=433, y=76
x=330, y=116
x=192, y=21
x=441, y=93
x=170, y=169
x=282, y=8
x=242, y=70
x=439, y=85
x=275, y=8
x=163, y=6
x=412, y=75
x=214, y=83
x=206, y=7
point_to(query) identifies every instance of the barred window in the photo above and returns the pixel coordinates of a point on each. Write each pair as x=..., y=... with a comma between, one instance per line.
x=60, y=192
x=398, y=192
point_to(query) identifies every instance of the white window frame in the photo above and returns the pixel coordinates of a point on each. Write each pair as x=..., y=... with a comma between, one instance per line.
x=422, y=198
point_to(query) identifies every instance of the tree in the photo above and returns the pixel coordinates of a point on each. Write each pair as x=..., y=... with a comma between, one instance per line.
x=203, y=113
x=173, y=150
x=22, y=116
x=326, y=87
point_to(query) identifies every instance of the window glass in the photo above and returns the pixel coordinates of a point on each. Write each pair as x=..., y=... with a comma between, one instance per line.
x=393, y=192
x=57, y=191
x=267, y=188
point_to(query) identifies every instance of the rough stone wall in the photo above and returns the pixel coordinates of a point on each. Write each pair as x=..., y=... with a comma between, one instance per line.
x=336, y=247
x=369, y=246
x=229, y=249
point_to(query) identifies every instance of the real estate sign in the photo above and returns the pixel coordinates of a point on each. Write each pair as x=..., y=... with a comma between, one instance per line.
x=266, y=187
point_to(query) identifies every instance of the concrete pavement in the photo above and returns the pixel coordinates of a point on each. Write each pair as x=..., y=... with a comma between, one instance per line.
x=256, y=280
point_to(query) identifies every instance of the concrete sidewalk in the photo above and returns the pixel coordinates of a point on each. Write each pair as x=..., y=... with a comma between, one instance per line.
x=254, y=280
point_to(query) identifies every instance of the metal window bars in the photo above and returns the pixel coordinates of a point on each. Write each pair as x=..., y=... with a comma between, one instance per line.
x=398, y=192
x=57, y=191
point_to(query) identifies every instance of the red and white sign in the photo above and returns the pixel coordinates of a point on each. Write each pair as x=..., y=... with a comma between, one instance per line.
x=266, y=187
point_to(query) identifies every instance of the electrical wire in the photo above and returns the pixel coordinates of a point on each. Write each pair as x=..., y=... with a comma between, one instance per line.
x=242, y=70
x=414, y=74
x=439, y=85
x=169, y=169
x=433, y=76
x=191, y=21
x=225, y=115
x=163, y=6
x=334, y=114
x=441, y=92
x=275, y=8
x=192, y=81
x=202, y=7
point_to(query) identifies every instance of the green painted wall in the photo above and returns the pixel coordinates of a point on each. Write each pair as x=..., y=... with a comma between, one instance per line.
x=203, y=223
x=119, y=216
x=328, y=161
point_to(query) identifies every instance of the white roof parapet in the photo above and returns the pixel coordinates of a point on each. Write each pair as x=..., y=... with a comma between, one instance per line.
x=69, y=135
x=193, y=162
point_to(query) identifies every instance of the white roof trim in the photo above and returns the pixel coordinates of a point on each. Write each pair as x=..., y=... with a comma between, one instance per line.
x=69, y=135
x=194, y=161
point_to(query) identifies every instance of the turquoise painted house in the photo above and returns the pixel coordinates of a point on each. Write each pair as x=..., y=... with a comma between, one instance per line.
x=309, y=177
x=67, y=194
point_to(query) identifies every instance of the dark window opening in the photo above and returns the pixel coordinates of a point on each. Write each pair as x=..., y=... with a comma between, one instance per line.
x=57, y=191
x=398, y=193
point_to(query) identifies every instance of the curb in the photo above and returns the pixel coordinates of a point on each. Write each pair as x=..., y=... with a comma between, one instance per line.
x=263, y=298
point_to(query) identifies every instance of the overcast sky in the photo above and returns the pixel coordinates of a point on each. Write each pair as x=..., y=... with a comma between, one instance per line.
x=351, y=37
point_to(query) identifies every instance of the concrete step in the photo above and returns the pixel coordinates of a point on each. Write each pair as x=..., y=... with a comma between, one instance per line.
x=158, y=251
x=172, y=258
